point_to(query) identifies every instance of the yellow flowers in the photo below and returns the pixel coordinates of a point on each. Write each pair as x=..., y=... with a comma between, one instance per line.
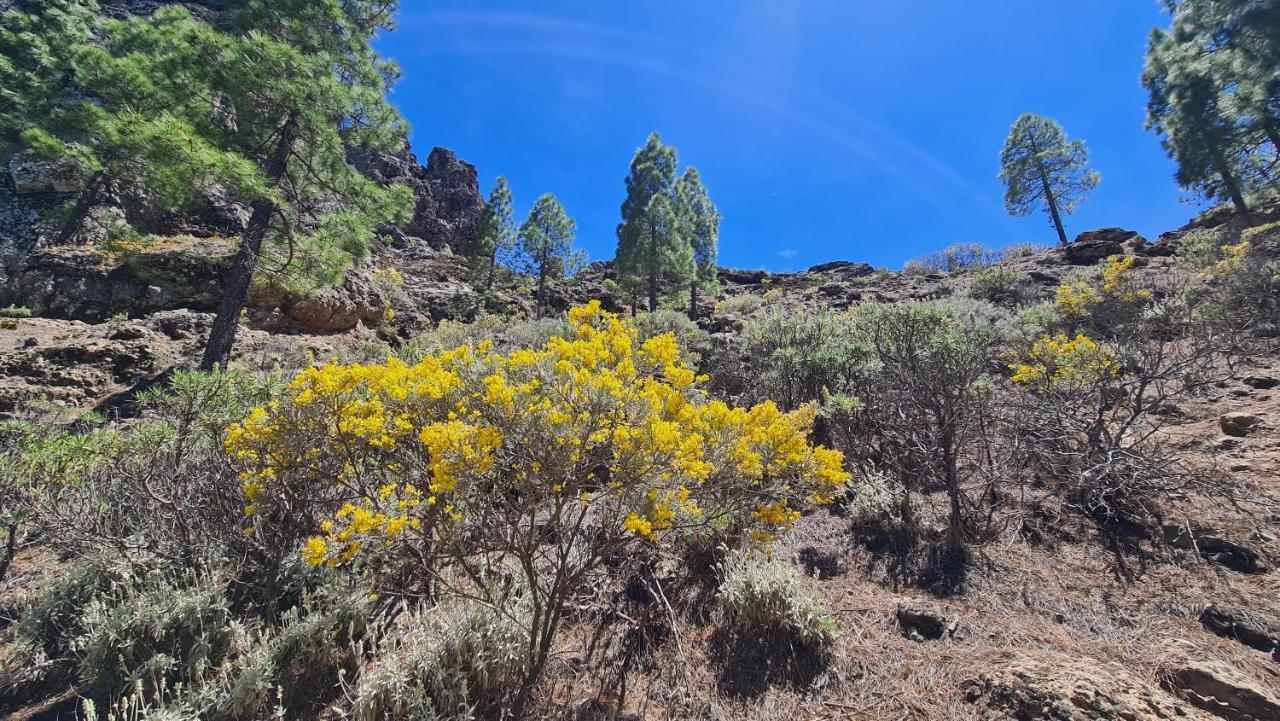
x=1116, y=286
x=1233, y=257
x=597, y=423
x=455, y=448
x=1063, y=363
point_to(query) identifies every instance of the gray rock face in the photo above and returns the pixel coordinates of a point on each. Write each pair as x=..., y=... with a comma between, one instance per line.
x=1110, y=235
x=743, y=277
x=32, y=174
x=86, y=283
x=448, y=201
x=844, y=267
x=1060, y=688
x=1090, y=251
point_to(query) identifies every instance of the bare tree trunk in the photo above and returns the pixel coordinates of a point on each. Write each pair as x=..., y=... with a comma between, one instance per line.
x=10, y=549
x=1229, y=181
x=542, y=289
x=693, y=300
x=86, y=200
x=1052, y=201
x=235, y=289
x=493, y=266
x=653, y=269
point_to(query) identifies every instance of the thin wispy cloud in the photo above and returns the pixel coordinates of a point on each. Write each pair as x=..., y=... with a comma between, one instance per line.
x=517, y=33
x=787, y=254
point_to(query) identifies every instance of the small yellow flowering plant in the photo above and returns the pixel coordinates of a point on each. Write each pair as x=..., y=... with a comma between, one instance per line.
x=1063, y=363
x=1112, y=294
x=597, y=436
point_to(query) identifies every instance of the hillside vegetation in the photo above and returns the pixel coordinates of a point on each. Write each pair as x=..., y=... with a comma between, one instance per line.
x=295, y=427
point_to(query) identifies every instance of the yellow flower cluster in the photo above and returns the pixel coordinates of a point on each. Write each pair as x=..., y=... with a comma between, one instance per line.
x=1117, y=286
x=1063, y=363
x=394, y=455
x=1233, y=257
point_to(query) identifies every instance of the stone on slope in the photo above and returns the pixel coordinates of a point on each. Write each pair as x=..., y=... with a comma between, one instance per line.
x=1238, y=424
x=1051, y=686
x=1247, y=627
x=1222, y=690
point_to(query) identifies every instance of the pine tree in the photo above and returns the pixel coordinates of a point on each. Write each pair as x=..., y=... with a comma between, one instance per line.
x=649, y=245
x=38, y=42
x=1197, y=128
x=496, y=234
x=1214, y=82
x=703, y=226
x=306, y=83
x=130, y=111
x=260, y=108
x=1041, y=168
x=545, y=248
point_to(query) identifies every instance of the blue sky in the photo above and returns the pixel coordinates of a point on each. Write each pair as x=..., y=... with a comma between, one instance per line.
x=824, y=129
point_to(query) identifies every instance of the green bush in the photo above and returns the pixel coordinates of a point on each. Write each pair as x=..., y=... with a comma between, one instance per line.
x=796, y=357
x=154, y=631
x=744, y=304
x=995, y=285
x=952, y=259
x=875, y=503
x=48, y=628
x=694, y=341
x=1022, y=250
x=155, y=489
x=766, y=598
x=1199, y=249
x=15, y=311
x=452, y=662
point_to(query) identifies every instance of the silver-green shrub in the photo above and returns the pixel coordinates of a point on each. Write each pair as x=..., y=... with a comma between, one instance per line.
x=761, y=595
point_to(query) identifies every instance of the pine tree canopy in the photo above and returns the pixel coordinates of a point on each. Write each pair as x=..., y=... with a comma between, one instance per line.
x=1042, y=169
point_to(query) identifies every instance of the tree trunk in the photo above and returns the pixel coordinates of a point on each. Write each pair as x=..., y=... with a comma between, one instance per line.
x=955, y=530
x=653, y=269
x=493, y=265
x=693, y=300
x=10, y=549
x=1229, y=182
x=542, y=287
x=1052, y=201
x=81, y=209
x=235, y=288
x=1273, y=135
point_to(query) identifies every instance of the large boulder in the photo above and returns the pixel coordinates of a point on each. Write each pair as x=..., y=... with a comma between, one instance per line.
x=1089, y=248
x=340, y=307
x=743, y=277
x=844, y=267
x=1239, y=424
x=32, y=174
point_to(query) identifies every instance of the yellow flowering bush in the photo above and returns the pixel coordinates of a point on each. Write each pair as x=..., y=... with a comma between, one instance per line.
x=541, y=464
x=1115, y=289
x=599, y=428
x=1232, y=260
x=1063, y=363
